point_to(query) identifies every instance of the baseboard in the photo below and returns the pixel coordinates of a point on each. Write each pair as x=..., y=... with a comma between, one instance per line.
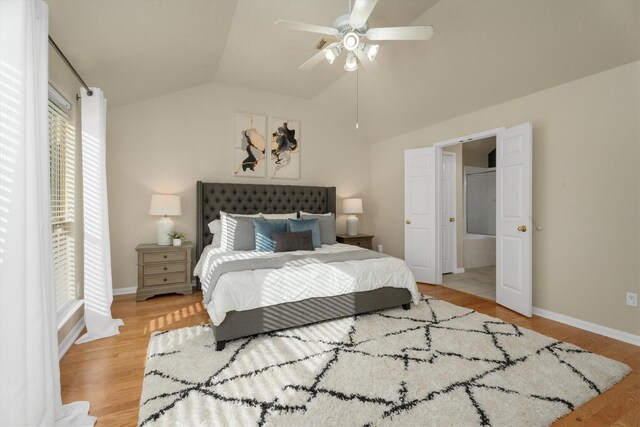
x=71, y=337
x=458, y=270
x=125, y=291
x=588, y=326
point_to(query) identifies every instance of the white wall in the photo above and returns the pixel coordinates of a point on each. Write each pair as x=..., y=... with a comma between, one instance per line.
x=166, y=144
x=586, y=191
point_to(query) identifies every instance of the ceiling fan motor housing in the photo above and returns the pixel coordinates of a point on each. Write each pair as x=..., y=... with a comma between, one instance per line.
x=342, y=25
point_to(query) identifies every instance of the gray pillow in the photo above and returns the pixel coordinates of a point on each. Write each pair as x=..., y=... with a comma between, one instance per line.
x=287, y=241
x=327, y=227
x=241, y=233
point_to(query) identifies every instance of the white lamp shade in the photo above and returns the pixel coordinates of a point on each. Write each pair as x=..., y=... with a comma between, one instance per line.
x=352, y=206
x=165, y=204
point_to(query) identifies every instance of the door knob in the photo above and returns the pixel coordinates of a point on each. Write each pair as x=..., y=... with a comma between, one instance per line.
x=522, y=228
x=408, y=221
x=452, y=219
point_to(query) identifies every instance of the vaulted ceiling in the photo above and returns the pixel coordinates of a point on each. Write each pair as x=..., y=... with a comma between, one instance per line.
x=483, y=52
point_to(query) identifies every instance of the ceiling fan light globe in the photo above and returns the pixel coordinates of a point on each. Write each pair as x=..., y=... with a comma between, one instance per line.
x=372, y=51
x=351, y=41
x=351, y=63
x=330, y=56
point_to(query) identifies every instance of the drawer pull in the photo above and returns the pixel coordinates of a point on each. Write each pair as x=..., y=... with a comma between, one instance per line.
x=165, y=256
x=165, y=269
x=165, y=279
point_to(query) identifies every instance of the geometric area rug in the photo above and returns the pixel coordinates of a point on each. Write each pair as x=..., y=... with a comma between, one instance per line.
x=435, y=365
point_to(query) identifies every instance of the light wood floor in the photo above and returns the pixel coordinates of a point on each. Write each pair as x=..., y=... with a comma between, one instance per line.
x=108, y=372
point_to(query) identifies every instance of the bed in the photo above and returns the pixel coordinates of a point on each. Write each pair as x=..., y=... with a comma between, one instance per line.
x=212, y=198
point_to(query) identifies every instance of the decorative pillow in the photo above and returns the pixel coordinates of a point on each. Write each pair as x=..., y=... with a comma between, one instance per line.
x=327, y=227
x=215, y=228
x=307, y=224
x=309, y=213
x=292, y=215
x=264, y=228
x=238, y=232
x=293, y=241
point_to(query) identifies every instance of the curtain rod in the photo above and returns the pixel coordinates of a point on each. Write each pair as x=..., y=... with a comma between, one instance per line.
x=66, y=61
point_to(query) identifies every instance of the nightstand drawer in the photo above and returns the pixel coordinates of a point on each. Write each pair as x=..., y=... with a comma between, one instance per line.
x=365, y=243
x=164, y=279
x=362, y=240
x=164, y=268
x=164, y=256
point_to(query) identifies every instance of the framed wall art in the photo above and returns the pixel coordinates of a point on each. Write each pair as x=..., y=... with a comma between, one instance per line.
x=250, y=145
x=285, y=148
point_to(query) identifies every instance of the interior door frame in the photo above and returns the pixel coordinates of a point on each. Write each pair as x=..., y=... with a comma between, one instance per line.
x=497, y=132
x=454, y=243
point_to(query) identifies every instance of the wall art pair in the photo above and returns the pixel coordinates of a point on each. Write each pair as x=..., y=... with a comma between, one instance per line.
x=259, y=154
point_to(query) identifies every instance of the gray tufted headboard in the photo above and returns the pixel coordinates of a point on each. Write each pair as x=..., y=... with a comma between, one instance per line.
x=254, y=198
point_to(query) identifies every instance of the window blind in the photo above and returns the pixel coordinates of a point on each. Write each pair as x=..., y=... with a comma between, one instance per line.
x=62, y=184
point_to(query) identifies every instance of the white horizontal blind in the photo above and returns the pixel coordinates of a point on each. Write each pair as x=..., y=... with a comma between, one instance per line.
x=62, y=180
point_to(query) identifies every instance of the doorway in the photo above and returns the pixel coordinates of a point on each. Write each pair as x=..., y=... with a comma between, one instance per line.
x=424, y=213
x=473, y=186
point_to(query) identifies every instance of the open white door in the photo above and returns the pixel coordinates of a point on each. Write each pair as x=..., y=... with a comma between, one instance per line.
x=513, y=219
x=448, y=216
x=420, y=213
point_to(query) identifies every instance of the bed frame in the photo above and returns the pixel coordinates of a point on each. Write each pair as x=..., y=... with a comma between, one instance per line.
x=253, y=198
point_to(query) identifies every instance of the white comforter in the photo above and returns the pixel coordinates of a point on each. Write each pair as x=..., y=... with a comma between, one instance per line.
x=249, y=289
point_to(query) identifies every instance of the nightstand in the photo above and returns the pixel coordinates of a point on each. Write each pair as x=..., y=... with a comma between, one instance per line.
x=362, y=240
x=163, y=270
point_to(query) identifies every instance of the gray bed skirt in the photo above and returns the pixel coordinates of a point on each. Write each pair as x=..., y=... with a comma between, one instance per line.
x=238, y=324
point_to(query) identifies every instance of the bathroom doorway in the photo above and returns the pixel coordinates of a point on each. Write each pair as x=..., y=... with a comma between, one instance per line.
x=475, y=218
x=423, y=207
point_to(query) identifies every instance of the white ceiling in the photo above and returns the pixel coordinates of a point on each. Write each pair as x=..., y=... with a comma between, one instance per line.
x=138, y=49
x=483, y=52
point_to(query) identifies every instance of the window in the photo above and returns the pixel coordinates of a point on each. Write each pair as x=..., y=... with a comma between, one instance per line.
x=62, y=183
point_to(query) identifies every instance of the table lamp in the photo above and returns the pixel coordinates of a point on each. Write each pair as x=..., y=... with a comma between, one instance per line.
x=352, y=206
x=165, y=205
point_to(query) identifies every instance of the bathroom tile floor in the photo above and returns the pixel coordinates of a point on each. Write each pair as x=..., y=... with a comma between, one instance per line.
x=480, y=281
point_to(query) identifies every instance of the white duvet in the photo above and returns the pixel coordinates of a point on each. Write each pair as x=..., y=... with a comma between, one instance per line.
x=249, y=289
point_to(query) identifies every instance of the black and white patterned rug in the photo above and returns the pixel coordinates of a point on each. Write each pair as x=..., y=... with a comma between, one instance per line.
x=437, y=365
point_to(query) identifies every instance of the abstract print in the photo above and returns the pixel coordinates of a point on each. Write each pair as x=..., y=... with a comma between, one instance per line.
x=250, y=145
x=285, y=149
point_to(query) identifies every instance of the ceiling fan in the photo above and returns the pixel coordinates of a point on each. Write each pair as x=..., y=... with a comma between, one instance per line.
x=351, y=30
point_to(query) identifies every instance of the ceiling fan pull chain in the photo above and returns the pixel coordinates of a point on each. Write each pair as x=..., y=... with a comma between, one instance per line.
x=357, y=100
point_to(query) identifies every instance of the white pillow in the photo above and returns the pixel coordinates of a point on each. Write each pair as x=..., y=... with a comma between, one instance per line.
x=215, y=228
x=292, y=215
x=224, y=234
x=309, y=213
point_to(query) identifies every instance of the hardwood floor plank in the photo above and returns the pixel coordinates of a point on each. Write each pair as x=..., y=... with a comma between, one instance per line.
x=109, y=372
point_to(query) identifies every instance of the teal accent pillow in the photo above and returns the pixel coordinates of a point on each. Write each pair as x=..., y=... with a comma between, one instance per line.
x=307, y=224
x=264, y=228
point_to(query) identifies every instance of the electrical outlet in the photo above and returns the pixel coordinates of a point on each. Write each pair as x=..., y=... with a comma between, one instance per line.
x=632, y=299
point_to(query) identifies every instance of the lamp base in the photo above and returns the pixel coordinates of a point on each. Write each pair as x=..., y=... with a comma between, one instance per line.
x=352, y=225
x=165, y=226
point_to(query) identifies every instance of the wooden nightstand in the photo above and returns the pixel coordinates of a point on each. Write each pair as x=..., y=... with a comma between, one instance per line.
x=163, y=270
x=362, y=240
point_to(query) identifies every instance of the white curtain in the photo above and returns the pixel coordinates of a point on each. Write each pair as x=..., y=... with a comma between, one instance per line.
x=98, y=292
x=29, y=371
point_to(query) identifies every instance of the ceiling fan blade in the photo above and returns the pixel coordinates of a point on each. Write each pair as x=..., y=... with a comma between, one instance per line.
x=400, y=33
x=360, y=12
x=300, y=26
x=313, y=61
x=371, y=66
x=317, y=58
